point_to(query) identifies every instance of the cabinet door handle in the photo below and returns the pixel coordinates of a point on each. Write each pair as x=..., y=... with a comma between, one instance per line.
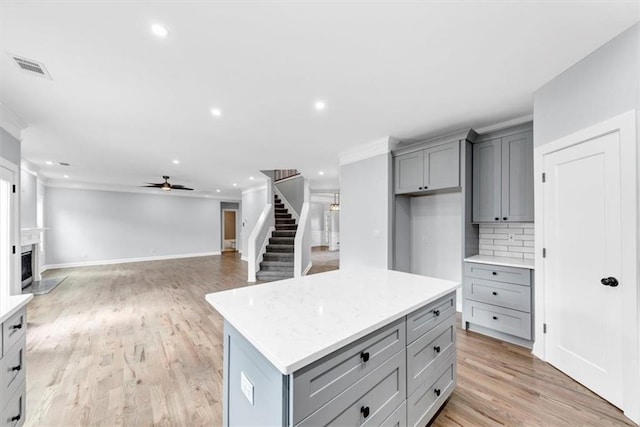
x=16, y=326
x=15, y=368
x=494, y=273
x=436, y=349
x=497, y=219
x=419, y=188
x=364, y=411
x=504, y=218
x=495, y=317
x=494, y=293
x=364, y=356
x=436, y=312
x=609, y=281
x=437, y=391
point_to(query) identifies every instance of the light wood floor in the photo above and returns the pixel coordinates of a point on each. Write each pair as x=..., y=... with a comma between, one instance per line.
x=137, y=345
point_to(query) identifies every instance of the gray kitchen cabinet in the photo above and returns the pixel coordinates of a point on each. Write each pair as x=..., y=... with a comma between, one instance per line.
x=12, y=369
x=503, y=178
x=497, y=301
x=432, y=168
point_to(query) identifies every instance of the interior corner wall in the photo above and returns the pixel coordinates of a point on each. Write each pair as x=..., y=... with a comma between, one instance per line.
x=365, y=213
x=253, y=203
x=316, y=214
x=28, y=199
x=9, y=147
x=87, y=226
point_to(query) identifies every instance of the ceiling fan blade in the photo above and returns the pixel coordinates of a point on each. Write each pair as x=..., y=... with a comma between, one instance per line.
x=180, y=187
x=152, y=186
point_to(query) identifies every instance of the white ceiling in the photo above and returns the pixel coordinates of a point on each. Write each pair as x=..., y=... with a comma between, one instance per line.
x=123, y=103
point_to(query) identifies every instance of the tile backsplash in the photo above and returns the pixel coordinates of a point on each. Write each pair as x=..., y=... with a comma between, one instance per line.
x=515, y=240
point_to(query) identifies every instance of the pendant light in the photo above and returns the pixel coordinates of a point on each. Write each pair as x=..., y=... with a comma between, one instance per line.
x=335, y=206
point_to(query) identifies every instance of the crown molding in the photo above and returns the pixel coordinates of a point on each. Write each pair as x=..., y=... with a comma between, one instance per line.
x=55, y=183
x=29, y=167
x=10, y=122
x=507, y=124
x=374, y=148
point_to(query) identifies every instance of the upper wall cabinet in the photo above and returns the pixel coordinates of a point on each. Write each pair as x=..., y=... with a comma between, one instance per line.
x=503, y=179
x=432, y=168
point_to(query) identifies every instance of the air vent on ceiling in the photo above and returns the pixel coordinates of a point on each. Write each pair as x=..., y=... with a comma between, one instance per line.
x=32, y=67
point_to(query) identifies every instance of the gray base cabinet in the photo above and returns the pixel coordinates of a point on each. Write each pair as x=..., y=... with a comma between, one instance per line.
x=497, y=301
x=399, y=375
x=12, y=369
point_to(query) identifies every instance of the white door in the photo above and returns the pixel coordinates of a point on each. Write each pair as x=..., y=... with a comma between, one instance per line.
x=582, y=237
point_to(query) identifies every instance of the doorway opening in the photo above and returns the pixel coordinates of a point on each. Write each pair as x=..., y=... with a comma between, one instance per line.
x=229, y=230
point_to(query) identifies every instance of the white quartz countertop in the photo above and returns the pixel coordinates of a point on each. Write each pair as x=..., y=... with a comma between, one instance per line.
x=11, y=304
x=295, y=322
x=507, y=262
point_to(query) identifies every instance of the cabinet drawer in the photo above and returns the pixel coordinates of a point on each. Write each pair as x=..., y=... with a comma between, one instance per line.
x=398, y=418
x=377, y=396
x=508, y=295
x=423, y=320
x=426, y=355
x=423, y=404
x=500, y=319
x=13, y=413
x=317, y=384
x=12, y=370
x=13, y=329
x=498, y=273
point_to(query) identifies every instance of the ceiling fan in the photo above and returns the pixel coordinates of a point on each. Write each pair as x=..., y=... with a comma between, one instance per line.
x=166, y=186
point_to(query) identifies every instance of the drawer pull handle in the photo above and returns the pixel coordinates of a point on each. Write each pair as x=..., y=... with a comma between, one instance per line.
x=15, y=368
x=504, y=218
x=364, y=411
x=497, y=219
x=495, y=317
x=436, y=312
x=494, y=273
x=364, y=356
x=437, y=391
x=16, y=326
x=419, y=188
x=436, y=349
x=494, y=293
x=16, y=418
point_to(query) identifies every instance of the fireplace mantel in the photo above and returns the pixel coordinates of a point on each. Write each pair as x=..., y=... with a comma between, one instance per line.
x=30, y=236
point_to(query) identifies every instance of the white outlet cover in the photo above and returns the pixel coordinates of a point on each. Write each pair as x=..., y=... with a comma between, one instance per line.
x=247, y=387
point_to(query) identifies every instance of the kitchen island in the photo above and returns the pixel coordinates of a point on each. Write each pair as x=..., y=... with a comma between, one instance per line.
x=347, y=347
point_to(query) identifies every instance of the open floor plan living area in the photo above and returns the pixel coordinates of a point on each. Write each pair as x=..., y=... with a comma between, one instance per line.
x=319, y=213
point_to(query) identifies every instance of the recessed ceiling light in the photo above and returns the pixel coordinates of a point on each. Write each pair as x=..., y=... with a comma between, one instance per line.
x=66, y=176
x=235, y=185
x=251, y=178
x=216, y=112
x=320, y=172
x=320, y=105
x=159, y=30
x=49, y=162
x=176, y=162
x=218, y=190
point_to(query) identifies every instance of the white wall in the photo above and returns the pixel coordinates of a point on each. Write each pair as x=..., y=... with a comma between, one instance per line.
x=317, y=212
x=292, y=189
x=365, y=212
x=9, y=147
x=253, y=202
x=28, y=199
x=88, y=226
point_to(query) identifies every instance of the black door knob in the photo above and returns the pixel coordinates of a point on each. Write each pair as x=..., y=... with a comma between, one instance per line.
x=436, y=349
x=609, y=281
x=364, y=356
x=364, y=411
x=437, y=391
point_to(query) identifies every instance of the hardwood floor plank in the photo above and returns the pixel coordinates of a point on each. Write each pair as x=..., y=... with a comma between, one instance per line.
x=137, y=345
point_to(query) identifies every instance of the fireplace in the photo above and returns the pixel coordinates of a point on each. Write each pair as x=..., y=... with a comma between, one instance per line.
x=27, y=267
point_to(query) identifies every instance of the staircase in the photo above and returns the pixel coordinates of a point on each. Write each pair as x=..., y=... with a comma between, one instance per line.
x=277, y=261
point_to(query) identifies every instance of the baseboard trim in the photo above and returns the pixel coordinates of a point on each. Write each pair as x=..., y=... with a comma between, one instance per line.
x=306, y=270
x=126, y=260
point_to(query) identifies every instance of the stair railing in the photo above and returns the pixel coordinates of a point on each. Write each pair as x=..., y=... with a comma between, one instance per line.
x=259, y=237
x=302, y=243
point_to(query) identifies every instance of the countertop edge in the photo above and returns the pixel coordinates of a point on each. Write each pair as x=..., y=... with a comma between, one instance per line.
x=15, y=303
x=502, y=262
x=290, y=368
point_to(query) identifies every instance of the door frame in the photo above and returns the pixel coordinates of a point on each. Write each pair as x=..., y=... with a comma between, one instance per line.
x=222, y=249
x=625, y=125
x=15, y=285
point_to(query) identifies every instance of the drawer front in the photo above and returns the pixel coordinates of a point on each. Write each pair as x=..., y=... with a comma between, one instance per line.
x=370, y=401
x=12, y=369
x=423, y=320
x=13, y=413
x=398, y=418
x=500, y=319
x=13, y=329
x=317, y=384
x=508, y=295
x=498, y=273
x=423, y=404
x=427, y=354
